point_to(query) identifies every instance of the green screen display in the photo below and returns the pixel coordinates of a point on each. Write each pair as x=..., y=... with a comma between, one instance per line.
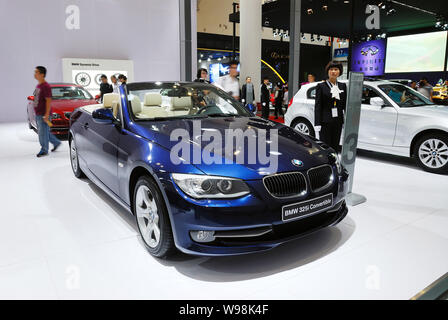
x=416, y=53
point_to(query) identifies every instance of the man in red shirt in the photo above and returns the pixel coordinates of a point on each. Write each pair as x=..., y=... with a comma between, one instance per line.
x=42, y=101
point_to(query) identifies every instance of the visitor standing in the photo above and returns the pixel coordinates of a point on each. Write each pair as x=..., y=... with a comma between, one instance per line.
x=278, y=100
x=105, y=87
x=230, y=83
x=248, y=92
x=265, y=97
x=202, y=76
x=42, y=108
x=115, y=84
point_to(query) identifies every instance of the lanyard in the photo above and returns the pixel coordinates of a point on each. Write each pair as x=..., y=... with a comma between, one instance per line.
x=331, y=85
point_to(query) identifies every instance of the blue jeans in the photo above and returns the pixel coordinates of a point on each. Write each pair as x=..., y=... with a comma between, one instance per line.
x=45, y=136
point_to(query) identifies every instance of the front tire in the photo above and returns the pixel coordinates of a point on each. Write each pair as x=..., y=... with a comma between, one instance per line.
x=74, y=160
x=152, y=218
x=303, y=126
x=431, y=153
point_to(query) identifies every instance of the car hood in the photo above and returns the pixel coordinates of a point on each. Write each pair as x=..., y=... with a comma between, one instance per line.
x=291, y=145
x=69, y=105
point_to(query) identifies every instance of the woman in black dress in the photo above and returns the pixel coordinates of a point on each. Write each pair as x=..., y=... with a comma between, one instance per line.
x=329, y=109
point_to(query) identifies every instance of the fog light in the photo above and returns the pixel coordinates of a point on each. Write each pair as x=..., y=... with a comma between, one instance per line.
x=203, y=236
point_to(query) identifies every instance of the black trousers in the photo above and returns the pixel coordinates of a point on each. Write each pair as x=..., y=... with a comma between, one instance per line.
x=330, y=133
x=265, y=110
x=278, y=109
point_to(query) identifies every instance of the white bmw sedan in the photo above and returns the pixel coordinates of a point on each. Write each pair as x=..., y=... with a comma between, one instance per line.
x=395, y=119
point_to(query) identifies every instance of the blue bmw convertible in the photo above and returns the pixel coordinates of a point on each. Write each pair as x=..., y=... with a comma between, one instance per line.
x=201, y=173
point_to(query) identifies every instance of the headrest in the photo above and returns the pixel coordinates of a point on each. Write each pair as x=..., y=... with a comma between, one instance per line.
x=136, y=105
x=153, y=99
x=108, y=98
x=181, y=103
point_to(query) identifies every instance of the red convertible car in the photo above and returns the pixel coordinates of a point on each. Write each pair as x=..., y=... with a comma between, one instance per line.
x=66, y=98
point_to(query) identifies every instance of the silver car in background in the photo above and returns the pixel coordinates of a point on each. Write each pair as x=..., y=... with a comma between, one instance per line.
x=395, y=119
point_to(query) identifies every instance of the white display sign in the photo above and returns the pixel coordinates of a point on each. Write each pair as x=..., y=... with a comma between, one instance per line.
x=87, y=72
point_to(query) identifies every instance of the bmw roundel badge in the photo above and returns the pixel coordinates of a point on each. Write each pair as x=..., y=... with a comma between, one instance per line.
x=297, y=163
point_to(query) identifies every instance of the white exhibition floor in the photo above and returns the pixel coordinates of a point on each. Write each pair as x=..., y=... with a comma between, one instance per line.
x=63, y=238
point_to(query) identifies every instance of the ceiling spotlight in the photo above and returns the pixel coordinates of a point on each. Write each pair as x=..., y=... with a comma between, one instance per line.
x=310, y=11
x=303, y=36
x=312, y=38
x=325, y=8
x=391, y=11
x=382, y=5
x=199, y=60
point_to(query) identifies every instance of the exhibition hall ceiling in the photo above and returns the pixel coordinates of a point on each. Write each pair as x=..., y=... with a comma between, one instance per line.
x=335, y=21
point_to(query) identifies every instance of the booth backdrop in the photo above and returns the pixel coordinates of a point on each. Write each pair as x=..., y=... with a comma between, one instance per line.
x=35, y=33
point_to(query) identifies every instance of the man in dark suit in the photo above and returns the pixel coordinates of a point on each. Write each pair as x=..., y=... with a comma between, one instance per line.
x=329, y=109
x=265, y=99
x=105, y=87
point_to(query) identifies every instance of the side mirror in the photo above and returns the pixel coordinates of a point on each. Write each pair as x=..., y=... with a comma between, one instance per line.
x=30, y=98
x=377, y=101
x=251, y=108
x=103, y=116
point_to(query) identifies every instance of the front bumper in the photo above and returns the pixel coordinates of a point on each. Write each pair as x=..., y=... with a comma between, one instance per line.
x=249, y=224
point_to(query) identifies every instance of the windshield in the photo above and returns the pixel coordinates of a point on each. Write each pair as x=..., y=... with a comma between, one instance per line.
x=152, y=101
x=70, y=93
x=404, y=96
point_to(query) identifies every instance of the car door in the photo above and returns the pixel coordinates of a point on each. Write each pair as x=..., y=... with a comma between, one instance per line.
x=101, y=151
x=378, y=123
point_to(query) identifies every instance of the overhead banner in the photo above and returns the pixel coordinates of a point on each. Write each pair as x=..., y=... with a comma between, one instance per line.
x=87, y=72
x=369, y=58
x=351, y=131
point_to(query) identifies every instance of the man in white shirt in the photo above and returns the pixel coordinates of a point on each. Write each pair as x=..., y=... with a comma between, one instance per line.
x=115, y=84
x=230, y=83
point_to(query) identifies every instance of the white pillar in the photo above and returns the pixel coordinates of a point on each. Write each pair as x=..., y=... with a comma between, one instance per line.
x=250, y=43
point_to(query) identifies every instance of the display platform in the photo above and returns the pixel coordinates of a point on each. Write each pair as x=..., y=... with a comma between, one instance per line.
x=63, y=238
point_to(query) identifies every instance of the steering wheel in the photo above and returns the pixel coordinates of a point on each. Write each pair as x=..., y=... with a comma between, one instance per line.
x=207, y=107
x=408, y=100
x=202, y=109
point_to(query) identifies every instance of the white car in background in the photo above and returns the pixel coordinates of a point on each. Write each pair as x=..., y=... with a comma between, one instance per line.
x=395, y=119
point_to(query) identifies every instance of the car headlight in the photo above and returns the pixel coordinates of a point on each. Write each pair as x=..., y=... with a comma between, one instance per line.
x=210, y=187
x=55, y=116
x=334, y=156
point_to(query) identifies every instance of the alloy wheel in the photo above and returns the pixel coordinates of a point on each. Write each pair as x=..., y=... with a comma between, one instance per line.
x=302, y=128
x=433, y=153
x=147, y=216
x=74, y=156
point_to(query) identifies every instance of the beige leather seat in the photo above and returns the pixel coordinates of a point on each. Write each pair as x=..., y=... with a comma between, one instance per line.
x=112, y=100
x=150, y=108
x=108, y=102
x=180, y=106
